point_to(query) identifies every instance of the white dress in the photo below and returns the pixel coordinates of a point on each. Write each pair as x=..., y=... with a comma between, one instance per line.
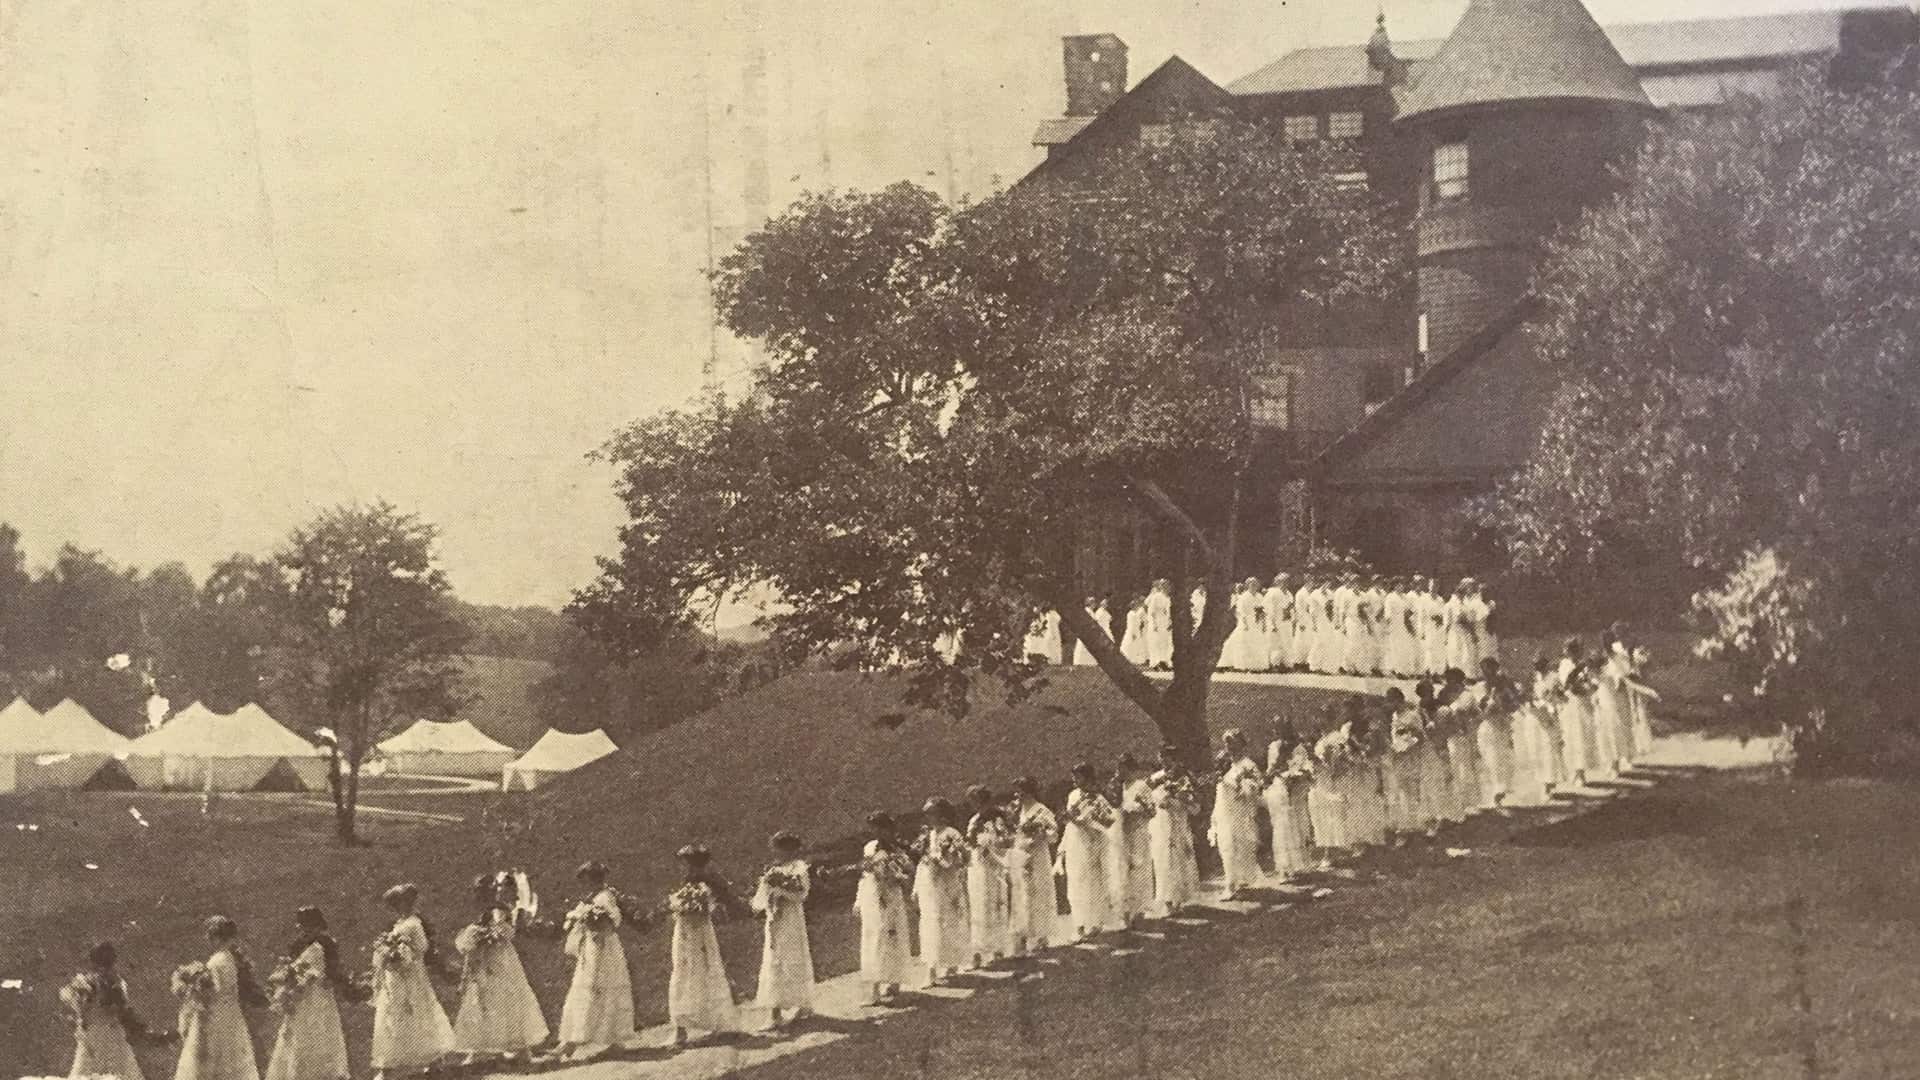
x=310, y=1044
x=498, y=1013
x=886, y=948
x=100, y=1036
x=1494, y=738
x=1286, y=799
x=1043, y=638
x=1403, y=646
x=1463, y=636
x=1133, y=645
x=1034, y=915
x=1279, y=609
x=940, y=895
x=786, y=956
x=699, y=994
x=1083, y=850
x=1236, y=824
x=1463, y=759
x=1130, y=852
x=1081, y=657
x=988, y=842
x=599, y=1006
x=1176, y=875
x=1159, y=629
x=1326, y=800
x=1433, y=633
x=1489, y=641
x=1306, y=626
x=1245, y=642
x=410, y=1029
x=1322, y=652
x=214, y=1043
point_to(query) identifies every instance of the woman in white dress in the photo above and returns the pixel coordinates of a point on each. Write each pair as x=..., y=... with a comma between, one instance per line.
x=1280, y=623
x=310, y=1044
x=1430, y=611
x=699, y=993
x=498, y=1015
x=214, y=1041
x=598, y=1014
x=1495, y=738
x=1160, y=624
x=410, y=1029
x=786, y=955
x=1035, y=911
x=103, y=1019
x=1367, y=798
x=1043, y=638
x=1483, y=621
x=1235, y=827
x=1548, y=697
x=1438, y=801
x=1176, y=874
x=989, y=842
x=1405, y=809
x=1576, y=715
x=1535, y=757
x=1615, y=699
x=940, y=894
x=886, y=948
x=1334, y=755
x=1133, y=645
x=1461, y=721
x=1643, y=699
x=1246, y=648
x=1306, y=625
x=1290, y=772
x=1083, y=853
x=1130, y=844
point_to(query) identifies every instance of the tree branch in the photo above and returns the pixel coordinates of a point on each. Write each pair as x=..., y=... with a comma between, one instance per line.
x=1154, y=497
x=1131, y=681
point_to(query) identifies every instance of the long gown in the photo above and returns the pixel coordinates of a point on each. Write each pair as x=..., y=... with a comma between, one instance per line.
x=498, y=1013
x=1286, y=799
x=1130, y=852
x=988, y=901
x=699, y=994
x=1245, y=649
x=410, y=1029
x=1176, y=875
x=786, y=955
x=1366, y=803
x=1494, y=738
x=1406, y=806
x=1159, y=629
x=1035, y=911
x=1236, y=824
x=311, y=1044
x=1133, y=645
x=940, y=894
x=1322, y=651
x=1463, y=761
x=1083, y=850
x=1278, y=604
x=1043, y=638
x=886, y=948
x=1326, y=801
x=1535, y=757
x=1614, y=703
x=100, y=1035
x=599, y=1007
x=1433, y=633
x=214, y=1043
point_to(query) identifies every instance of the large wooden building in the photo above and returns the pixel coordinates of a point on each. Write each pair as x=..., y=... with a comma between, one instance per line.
x=1503, y=131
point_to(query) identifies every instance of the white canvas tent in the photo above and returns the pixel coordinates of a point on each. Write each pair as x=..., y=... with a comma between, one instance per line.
x=557, y=752
x=62, y=749
x=456, y=748
x=200, y=748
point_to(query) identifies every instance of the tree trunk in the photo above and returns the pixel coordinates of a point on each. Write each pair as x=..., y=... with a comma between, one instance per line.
x=1182, y=721
x=344, y=807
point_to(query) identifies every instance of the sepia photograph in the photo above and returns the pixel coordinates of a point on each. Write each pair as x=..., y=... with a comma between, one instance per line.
x=959, y=539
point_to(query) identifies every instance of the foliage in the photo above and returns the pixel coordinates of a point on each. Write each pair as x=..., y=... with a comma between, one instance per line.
x=648, y=688
x=521, y=633
x=370, y=638
x=1738, y=334
x=953, y=392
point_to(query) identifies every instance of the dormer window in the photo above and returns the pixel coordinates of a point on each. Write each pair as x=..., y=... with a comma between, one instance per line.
x=1301, y=128
x=1449, y=171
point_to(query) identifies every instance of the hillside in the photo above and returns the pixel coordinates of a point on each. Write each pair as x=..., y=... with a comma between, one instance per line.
x=502, y=691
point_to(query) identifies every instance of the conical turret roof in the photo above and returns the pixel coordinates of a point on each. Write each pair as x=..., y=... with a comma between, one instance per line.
x=1523, y=50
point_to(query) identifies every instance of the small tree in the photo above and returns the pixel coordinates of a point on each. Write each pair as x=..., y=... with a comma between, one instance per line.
x=369, y=635
x=1738, y=334
x=954, y=394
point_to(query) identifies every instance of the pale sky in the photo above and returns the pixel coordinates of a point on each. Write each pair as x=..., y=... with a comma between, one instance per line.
x=260, y=258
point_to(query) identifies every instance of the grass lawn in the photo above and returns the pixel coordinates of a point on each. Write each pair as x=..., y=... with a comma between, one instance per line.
x=814, y=752
x=1739, y=926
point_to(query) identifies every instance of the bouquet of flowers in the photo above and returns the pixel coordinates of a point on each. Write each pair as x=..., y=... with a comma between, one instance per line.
x=1246, y=781
x=1172, y=789
x=474, y=937
x=392, y=951
x=589, y=917
x=782, y=882
x=692, y=898
x=948, y=850
x=1093, y=810
x=1337, y=751
x=79, y=995
x=888, y=868
x=193, y=985
x=1579, y=682
x=285, y=983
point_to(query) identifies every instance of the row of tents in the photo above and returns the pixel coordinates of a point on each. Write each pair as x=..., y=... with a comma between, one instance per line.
x=66, y=748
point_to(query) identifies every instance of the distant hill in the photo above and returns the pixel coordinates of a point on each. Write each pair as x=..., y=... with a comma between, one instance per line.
x=503, y=706
x=520, y=633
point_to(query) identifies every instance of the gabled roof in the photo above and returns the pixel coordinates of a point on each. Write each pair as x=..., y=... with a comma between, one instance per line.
x=1470, y=414
x=452, y=737
x=1059, y=129
x=1327, y=67
x=197, y=731
x=1174, y=79
x=565, y=751
x=1523, y=50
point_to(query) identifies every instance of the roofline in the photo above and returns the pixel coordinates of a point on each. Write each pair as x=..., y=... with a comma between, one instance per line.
x=1467, y=108
x=1369, y=430
x=1171, y=63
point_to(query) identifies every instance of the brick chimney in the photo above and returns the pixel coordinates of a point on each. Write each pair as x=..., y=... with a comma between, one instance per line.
x=1096, y=66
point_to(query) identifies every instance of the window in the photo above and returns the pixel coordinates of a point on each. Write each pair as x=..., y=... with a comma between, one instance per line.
x=1351, y=181
x=1346, y=125
x=1163, y=135
x=1423, y=333
x=1273, y=409
x=1450, y=171
x=1301, y=128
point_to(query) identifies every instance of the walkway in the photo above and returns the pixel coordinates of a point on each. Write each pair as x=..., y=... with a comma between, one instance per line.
x=842, y=1014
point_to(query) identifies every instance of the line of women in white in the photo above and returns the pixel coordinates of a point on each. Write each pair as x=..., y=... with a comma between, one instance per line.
x=981, y=885
x=1359, y=624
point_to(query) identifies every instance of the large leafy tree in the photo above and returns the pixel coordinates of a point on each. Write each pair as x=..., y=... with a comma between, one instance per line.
x=369, y=637
x=1739, y=334
x=953, y=394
